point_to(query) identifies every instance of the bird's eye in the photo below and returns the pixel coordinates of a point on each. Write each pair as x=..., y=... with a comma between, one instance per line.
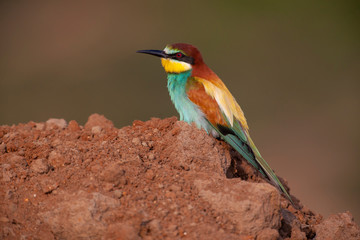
x=179, y=55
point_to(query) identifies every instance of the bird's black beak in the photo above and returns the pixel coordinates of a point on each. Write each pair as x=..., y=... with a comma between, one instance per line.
x=157, y=53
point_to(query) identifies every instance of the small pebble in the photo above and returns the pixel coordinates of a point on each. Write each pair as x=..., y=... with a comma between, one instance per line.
x=73, y=126
x=3, y=148
x=39, y=166
x=151, y=156
x=136, y=141
x=96, y=130
x=54, y=122
x=118, y=193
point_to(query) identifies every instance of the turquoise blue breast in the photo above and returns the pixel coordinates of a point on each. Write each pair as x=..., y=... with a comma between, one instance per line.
x=189, y=112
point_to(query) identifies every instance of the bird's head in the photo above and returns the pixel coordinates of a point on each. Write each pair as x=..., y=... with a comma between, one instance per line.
x=178, y=57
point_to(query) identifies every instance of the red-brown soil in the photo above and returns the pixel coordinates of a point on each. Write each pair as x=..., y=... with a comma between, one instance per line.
x=160, y=179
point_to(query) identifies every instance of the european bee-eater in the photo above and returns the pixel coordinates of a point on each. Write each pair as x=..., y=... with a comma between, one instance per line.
x=202, y=98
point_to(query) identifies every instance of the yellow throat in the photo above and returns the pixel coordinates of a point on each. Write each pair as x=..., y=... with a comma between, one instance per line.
x=174, y=66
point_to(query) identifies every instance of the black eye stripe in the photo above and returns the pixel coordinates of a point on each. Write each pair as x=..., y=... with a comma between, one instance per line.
x=183, y=58
x=174, y=55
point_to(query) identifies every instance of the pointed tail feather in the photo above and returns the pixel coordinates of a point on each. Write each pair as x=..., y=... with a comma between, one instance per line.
x=269, y=172
x=252, y=156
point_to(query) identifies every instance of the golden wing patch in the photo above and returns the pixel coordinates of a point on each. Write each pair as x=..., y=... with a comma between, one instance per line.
x=226, y=101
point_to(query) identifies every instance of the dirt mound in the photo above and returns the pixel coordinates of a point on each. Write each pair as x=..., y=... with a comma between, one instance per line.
x=160, y=179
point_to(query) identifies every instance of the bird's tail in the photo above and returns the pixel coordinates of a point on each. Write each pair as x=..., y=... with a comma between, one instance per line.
x=269, y=172
x=249, y=151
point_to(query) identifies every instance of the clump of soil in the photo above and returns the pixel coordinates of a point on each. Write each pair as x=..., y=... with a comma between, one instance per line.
x=160, y=179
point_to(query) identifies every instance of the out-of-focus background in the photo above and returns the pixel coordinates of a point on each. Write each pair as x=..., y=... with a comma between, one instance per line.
x=294, y=67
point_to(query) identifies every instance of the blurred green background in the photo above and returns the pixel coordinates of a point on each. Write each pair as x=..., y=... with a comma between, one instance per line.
x=294, y=67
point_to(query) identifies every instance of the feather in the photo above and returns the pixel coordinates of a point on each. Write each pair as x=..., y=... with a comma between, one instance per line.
x=225, y=100
x=225, y=116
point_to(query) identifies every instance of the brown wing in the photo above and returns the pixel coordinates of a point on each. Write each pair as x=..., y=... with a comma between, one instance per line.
x=208, y=105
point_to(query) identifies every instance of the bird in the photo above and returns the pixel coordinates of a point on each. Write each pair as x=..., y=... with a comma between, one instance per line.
x=201, y=97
